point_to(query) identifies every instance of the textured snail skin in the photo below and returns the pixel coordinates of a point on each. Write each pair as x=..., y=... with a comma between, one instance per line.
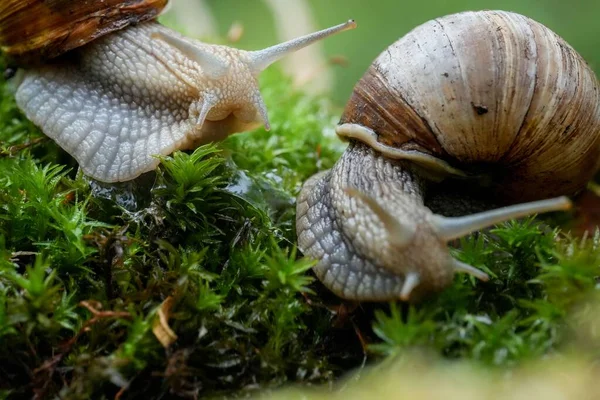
x=117, y=107
x=356, y=258
x=366, y=223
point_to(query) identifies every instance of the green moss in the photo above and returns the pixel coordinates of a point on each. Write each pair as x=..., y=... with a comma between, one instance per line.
x=538, y=276
x=85, y=267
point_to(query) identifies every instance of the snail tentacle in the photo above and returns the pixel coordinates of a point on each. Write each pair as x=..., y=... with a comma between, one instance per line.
x=261, y=108
x=212, y=66
x=208, y=102
x=401, y=234
x=460, y=266
x=261, y=59
x=410, y=283
x=450, y=228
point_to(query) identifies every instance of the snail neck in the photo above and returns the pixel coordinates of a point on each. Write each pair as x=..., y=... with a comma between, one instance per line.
x=350, y=240
x=372, y=173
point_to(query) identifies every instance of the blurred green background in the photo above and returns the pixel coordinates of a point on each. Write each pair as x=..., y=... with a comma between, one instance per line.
x=381, y=22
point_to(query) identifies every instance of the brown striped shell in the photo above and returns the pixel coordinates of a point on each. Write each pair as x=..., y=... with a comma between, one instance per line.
x=32, y=31
x=488, y=92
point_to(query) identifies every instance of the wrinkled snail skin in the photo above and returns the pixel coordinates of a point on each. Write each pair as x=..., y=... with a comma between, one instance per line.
x=488, y=102
x=332, y=226
x=120, y=101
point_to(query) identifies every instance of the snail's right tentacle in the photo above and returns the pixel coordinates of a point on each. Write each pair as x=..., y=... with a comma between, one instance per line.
x=450, y=228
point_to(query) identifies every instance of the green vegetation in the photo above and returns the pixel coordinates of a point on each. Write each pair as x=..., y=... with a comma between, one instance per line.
x=96, y=280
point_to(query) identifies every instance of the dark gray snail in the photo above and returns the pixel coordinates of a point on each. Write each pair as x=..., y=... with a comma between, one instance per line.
x=492, y=102
x=115, y=89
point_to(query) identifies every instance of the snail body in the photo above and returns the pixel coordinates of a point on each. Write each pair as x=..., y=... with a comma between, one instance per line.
x=490, y=100
x=131, y=94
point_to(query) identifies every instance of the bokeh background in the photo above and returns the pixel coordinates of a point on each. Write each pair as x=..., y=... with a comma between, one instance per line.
x=380, y=22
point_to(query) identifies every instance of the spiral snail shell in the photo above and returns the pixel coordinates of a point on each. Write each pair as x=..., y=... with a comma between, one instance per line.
x=494, y=104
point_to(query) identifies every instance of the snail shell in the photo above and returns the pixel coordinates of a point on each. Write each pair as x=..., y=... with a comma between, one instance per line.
x=32, y=31
x=486, y=93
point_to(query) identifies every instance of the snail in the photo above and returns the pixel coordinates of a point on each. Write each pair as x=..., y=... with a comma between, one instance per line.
x=466, y=121
x=114, y=88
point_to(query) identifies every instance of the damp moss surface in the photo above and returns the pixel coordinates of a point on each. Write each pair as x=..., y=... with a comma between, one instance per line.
x=187, y=283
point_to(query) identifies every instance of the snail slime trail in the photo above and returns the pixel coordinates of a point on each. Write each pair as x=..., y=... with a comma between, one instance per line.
x=130, y=95
x=424, y=113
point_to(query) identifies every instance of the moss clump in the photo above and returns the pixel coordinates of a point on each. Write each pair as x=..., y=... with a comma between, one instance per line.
x=187, y=281
x=85, y=267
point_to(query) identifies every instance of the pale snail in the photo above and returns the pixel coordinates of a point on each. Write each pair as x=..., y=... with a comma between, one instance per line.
x=491, y=98
x=127, y=88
